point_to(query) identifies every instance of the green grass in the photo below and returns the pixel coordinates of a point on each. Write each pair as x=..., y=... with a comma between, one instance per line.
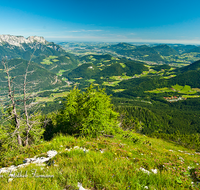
x=55, y=60
x=91, y=80
x=125, y=77
x=115, y=77
x=52, y=57
x=123, y=65
x=190, y=96
x=49, y=60
x=46, y=62
x=52, y=97
x=118, y=167
x=60, y=72
x=118, y=90
x=176, y=88
x=115, y=83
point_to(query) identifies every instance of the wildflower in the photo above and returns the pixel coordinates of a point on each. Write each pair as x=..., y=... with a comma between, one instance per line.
x=180, y=158
x=146, y=187
x=189, y=168
x=101, y=151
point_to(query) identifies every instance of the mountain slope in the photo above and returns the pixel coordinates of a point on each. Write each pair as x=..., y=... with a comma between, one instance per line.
x=165, y=50
x=196, y=49
x=57, y=64
x=182, y=48
x=96, y=66
x=193, y=66
x=20, y=47
x=38, y=78
x=137, y=52
x=127, y=161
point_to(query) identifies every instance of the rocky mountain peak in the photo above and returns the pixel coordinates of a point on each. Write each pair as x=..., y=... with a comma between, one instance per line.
x=19, y=40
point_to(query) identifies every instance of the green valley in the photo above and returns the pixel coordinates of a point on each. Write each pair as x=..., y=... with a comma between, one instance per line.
x=118, y=116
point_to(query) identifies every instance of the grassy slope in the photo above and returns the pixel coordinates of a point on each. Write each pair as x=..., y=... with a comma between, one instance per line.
x=117, y=168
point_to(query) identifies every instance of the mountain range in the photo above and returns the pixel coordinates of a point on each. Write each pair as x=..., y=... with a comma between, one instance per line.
x=20, y=47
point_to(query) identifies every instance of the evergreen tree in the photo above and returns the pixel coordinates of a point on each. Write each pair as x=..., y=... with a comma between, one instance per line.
x=89, y=113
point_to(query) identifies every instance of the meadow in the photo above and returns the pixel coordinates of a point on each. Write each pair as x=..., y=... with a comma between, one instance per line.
x=127, y=161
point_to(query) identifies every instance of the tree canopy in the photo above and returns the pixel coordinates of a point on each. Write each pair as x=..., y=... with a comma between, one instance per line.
x=87, y=113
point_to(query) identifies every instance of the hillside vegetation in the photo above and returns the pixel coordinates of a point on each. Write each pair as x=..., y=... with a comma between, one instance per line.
x=144, y=134
x=128, y=161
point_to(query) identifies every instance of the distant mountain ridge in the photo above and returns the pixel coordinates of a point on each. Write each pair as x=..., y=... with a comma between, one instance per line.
x=19, y=40
x=20, y=47
x=165, y=50
x=142, y=52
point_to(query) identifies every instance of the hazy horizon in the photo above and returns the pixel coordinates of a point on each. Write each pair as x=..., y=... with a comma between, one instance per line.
x=176, y=22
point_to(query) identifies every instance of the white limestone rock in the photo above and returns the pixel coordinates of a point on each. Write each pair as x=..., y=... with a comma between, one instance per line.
x=19, y=40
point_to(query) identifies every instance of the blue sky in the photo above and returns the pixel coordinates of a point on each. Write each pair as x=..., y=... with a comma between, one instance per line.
x=162, y=21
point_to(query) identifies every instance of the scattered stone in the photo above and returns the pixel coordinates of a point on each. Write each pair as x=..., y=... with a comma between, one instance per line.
x=77, y=148
x=10, y=179
x=155, y=171
x=27, y=161
x=109, y=136
x=145, y=171
x=80, y=186
x=51, y=153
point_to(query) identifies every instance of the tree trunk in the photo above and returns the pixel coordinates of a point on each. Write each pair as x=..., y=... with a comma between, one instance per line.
x=19, y=139
x=26, y=140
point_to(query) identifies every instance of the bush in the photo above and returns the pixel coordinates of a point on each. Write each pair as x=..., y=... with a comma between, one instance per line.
x=88, y=113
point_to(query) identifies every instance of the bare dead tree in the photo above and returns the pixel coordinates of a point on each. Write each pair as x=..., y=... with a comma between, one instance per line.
x=25, y=99
x=11, y=94
x=18, y=118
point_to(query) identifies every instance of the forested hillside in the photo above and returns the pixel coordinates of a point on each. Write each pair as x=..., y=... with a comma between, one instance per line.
x=91, y=107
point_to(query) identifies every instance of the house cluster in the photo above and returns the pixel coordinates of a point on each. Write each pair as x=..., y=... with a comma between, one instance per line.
x=174, y=98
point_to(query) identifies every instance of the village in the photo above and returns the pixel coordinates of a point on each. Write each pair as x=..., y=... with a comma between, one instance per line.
x=174, y=98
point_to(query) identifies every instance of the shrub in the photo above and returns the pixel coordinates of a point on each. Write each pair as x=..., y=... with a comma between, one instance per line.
x=88, y=113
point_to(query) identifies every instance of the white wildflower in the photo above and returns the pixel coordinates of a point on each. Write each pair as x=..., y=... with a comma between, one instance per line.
x=180, y=158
